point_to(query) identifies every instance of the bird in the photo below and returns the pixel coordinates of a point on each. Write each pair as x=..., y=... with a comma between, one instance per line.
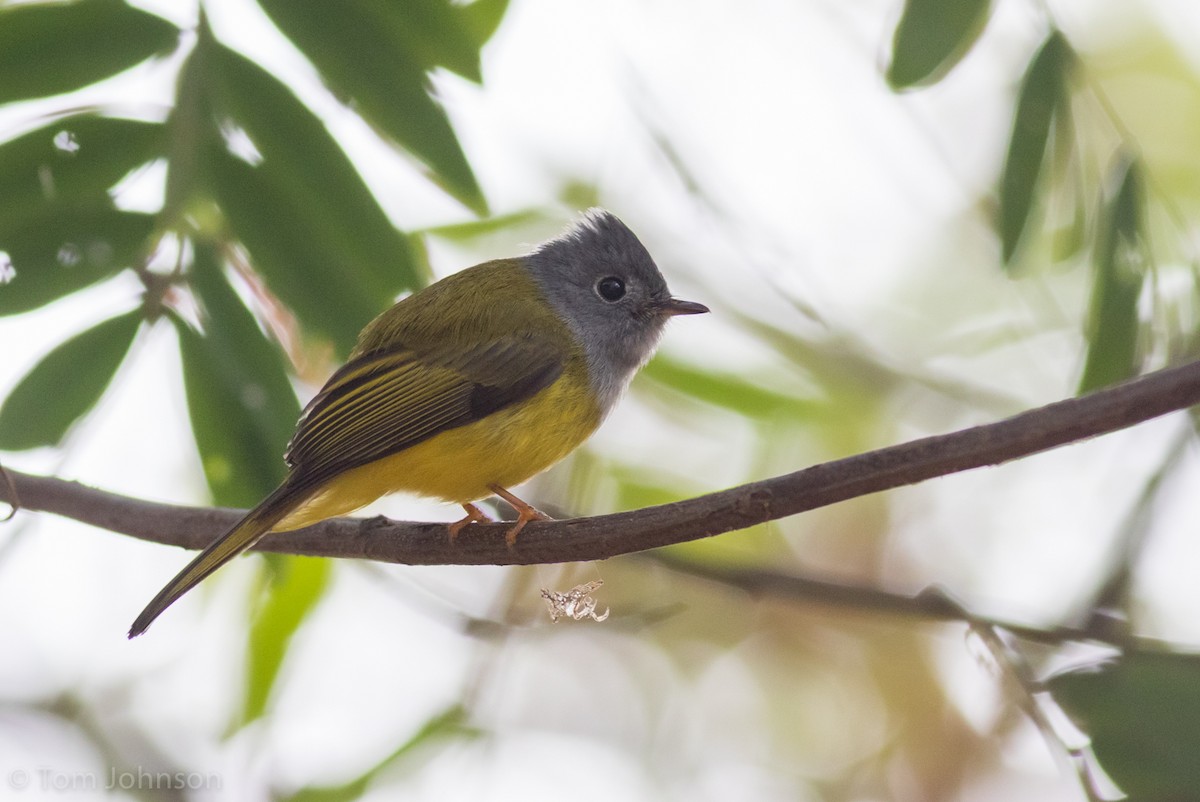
x=467, y=387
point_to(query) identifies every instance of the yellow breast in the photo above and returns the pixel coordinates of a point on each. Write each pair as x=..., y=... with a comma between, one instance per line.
x=457, y=465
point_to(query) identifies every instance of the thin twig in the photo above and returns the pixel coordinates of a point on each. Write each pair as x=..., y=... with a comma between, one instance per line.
x=931, y=604
x=1030, y=694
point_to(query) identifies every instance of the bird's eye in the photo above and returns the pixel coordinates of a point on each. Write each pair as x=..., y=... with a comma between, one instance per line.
x=610, y=288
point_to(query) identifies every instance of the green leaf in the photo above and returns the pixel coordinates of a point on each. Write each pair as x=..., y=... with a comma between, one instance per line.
x=475, y=229
x=933, y=36
x=242, y=406
x=1044, y=94
x=1070, y=239
x=638, y=488
x=62, y=247
x=311, y=225
x=193, y=131
x=434, y=32
x=1067, y=238
x=286, y=247
x=482, y=18
x=304, y=157
x=79, y=157
x=1143, y=716
x=243, y=411
x=297, y=584
x=65, y=384
x=1112, y=328
x=724, y=390
x=57, y=221
x=447, y=725
x=47, y=49
x=369, y=60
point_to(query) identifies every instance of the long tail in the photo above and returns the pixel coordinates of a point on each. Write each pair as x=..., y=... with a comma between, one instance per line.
x=245, y=533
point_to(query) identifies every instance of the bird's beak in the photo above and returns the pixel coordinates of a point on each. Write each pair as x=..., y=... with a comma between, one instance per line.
x=674, y=306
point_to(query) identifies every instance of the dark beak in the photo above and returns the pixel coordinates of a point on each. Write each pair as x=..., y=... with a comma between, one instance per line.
x=674, y=306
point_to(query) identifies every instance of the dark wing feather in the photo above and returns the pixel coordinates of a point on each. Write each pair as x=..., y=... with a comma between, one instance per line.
x=382, y=403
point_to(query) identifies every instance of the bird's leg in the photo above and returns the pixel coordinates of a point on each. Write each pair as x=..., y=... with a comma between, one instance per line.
x=525, y=514
x=474, y=515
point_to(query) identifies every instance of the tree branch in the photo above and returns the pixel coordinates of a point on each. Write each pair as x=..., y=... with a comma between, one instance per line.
x=622, y=533
x=931, y=604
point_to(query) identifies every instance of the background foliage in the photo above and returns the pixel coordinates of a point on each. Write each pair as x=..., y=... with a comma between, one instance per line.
x=233, y=220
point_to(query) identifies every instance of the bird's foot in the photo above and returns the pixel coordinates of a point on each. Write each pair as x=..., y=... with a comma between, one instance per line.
x=525, y=514
x=474, y=516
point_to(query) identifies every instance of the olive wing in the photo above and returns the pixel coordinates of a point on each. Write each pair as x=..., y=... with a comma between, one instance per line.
x=379, y=404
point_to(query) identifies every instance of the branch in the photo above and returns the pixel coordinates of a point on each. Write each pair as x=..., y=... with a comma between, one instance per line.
x=930, y=604
x=622, y=533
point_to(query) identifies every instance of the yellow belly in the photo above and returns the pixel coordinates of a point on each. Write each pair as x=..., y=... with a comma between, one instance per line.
x=457, y=465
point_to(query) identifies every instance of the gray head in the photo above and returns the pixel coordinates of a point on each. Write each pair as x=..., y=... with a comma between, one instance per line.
x=601, y=279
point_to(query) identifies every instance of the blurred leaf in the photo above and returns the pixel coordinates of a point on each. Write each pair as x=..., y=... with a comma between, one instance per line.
x=447, y=725
x=65, y=384
x=243, y=411
x=62, y=247
x=313, y=228
x=1043, y=95
x=77, y=157
x=242, y=406
x=474, y=229
x=1150, y=85
x=724, y=390
x=578, y=193
x=367, y=57
x=638, y=489
x=434, y=32
x=931, y=37
x=1143, y=716
x=1112, y=328
x=299, y=264
x=192, y=132
x=482, y=18
x=297, y=148
x=297, y=584
x=1070, y=239
x=47, y=49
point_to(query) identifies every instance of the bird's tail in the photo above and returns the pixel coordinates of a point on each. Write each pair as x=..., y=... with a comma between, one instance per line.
x=245, y=533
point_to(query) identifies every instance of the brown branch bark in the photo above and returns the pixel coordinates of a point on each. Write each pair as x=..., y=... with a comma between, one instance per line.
x=623, y=533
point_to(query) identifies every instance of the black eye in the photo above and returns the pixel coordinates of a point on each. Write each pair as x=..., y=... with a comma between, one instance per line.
x=610, y=288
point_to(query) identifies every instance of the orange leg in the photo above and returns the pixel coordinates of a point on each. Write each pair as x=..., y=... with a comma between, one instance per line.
x=525, y=514
x=474, y=515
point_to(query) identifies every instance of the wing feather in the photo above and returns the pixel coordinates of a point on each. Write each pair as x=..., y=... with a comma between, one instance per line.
x=379, y=404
